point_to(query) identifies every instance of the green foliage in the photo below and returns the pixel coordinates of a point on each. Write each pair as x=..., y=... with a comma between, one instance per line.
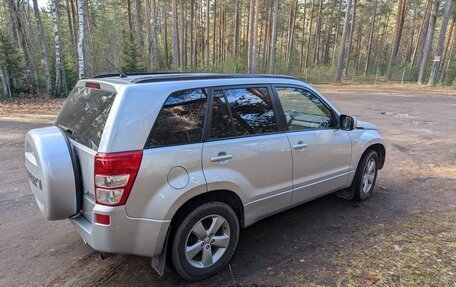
x=130, y=55
x=11, y=59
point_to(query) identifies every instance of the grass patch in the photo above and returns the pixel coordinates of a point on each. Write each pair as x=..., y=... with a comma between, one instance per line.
x=419, y=252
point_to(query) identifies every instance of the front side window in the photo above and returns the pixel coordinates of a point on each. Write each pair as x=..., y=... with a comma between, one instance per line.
x=242, y=111
x=180, y=120
x=303, y=110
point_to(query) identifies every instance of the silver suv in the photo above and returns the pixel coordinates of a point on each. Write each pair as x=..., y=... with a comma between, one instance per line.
x=172, y=166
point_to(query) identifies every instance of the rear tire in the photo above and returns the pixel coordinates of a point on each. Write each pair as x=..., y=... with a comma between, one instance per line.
x=205, y=241
x=366, y=176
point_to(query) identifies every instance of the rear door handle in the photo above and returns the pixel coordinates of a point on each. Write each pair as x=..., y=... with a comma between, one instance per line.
x=300, y=145
x=221, y=158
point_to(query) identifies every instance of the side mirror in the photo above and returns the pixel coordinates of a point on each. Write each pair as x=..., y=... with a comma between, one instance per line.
x=347, y=123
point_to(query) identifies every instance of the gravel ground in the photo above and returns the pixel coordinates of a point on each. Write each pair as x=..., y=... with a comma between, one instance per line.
x=318, y=243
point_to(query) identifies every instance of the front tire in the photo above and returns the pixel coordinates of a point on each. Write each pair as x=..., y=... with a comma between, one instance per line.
x=205, y=241
x=366, y=176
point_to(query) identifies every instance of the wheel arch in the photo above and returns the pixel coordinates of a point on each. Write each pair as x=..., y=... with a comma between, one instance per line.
x=226, y=196
x=381, y=151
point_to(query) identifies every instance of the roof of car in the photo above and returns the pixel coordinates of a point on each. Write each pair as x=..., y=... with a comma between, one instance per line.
x=136, y=78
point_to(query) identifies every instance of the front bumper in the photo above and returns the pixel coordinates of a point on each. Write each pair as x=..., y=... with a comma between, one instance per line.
x=139, y=236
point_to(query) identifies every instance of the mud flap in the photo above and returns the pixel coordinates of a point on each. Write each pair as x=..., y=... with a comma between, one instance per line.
x=159, y=262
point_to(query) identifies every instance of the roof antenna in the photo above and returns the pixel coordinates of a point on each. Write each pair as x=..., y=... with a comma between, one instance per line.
x=122, y=75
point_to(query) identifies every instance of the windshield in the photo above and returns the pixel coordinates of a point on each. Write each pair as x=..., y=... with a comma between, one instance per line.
x=84, y=114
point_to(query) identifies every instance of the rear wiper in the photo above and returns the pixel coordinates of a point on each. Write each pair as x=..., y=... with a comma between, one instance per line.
x=69, y=131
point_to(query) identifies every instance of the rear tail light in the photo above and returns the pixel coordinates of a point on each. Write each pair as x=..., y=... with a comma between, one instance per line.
x=115, y=174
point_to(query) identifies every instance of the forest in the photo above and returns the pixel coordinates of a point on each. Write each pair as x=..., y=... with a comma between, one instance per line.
x=46, y=46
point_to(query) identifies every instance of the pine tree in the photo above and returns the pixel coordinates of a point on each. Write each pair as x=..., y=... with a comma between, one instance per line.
x=131, y=56
x=11, y=67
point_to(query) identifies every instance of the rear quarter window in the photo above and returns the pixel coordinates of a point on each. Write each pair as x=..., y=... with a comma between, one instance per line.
x=85, y=113
x=180, y=120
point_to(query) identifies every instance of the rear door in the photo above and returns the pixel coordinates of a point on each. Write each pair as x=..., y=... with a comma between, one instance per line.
x=321, y=151
x=245, y=152
x=83, y=117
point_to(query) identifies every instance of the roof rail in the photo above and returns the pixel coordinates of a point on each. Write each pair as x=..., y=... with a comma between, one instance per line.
x=136, y=74
x=195, y=76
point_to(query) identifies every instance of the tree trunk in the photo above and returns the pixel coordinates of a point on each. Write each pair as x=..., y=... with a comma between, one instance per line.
x=139, y=26
x=448, y=53
x=74, y=19
x=182, y=41
x=318, y=34
x=236, y=31
x=350, y=38
x=409, y=51
x=336, y=36
x=309, y=35
x=360, y=36
x=194, y=26
x=329, y=26
x=272, y=57
x=428, y=43
x=5, y=80
x=291, y=28
x=251, y=29
x=208, y=10
x=149, y=34
x=58, y=56
x=23, y=42
x=255, y=39
x=165, y=25
x=418, y=51
x=441, y=41
x=70, y=23
x=175, y=64
x=130, y=22
x=214, y=34
x=371, y=37
x=340, y=64
x=43, y=50
x=398, y=34
x=81, y=38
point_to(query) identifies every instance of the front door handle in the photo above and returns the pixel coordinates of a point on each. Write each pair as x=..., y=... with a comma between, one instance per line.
x=221, y=157
x=300, y=145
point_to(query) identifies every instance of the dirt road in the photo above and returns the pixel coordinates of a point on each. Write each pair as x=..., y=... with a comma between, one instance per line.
x=312, y=244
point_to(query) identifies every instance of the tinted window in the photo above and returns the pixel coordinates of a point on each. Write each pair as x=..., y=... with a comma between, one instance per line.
x=250, y=112
x=181, y=119
x=221, y=122
x=303, y=110
x=85, y=112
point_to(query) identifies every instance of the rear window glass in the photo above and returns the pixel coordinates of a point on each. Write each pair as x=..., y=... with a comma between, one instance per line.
x=84, y=115
x=181, y=119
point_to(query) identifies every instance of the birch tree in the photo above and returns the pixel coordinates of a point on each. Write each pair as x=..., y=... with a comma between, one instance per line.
x=57, y=45
x=80, y=38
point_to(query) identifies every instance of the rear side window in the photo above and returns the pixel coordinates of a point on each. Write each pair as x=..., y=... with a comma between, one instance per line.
x=249, y=111
x=181, y=119
x=84, y=115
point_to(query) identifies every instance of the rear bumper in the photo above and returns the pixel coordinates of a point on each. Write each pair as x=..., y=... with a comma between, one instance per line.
x=139, y=236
